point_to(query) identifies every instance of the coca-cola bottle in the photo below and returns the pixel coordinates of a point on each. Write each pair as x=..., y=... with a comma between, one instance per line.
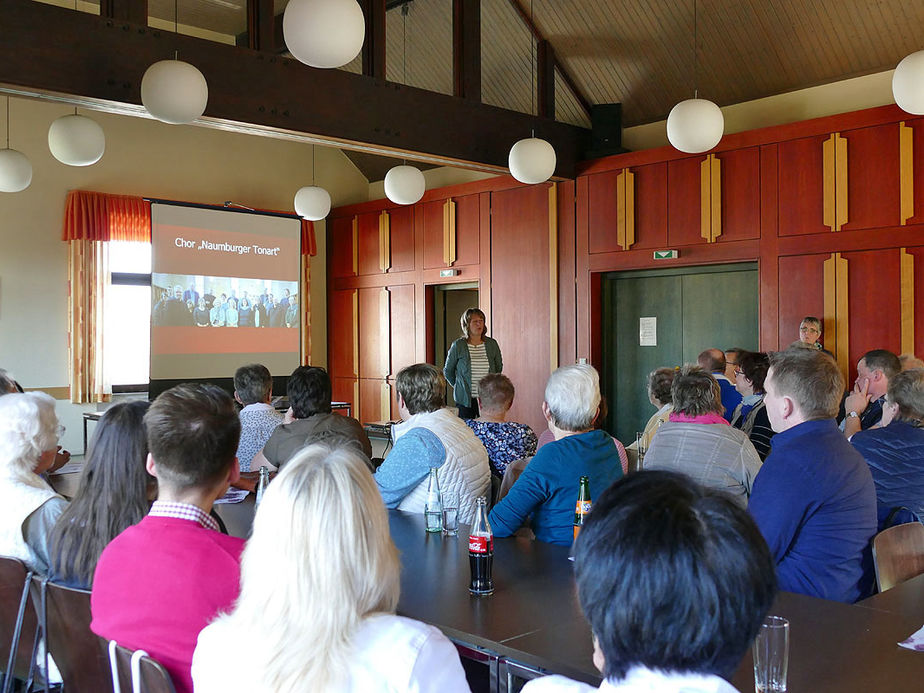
x=481, y=550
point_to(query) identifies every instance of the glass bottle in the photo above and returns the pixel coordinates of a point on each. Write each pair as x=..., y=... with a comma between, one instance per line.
x=582, y=506
x=433, y=510
x=481, y=550
x=261, y=485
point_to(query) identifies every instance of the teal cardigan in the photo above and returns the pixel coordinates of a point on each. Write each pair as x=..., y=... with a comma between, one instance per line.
x=458, y=368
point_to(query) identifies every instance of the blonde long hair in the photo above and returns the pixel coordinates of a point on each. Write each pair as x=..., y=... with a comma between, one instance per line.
x=320, y=559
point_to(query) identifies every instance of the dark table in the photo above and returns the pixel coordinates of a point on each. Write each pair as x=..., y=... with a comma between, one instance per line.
x=533, y=618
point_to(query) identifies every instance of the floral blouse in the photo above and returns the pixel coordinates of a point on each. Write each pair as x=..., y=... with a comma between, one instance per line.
x=505, y=442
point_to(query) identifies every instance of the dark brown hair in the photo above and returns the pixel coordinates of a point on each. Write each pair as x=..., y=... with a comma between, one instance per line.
x=193, y=432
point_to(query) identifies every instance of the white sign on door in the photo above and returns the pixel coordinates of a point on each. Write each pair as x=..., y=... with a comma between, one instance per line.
x=648, y=332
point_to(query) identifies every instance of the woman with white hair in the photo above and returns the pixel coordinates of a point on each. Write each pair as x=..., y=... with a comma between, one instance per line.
x=318, y=600
x=548, y=488
x=28, y=445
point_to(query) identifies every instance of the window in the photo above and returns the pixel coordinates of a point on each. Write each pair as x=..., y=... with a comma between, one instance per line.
x=128, y=316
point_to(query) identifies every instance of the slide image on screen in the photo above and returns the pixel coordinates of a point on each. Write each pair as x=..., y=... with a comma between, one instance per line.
x=225, y=292
x=187, y=301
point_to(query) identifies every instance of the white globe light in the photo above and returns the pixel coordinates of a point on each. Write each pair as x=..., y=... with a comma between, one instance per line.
x=908, y=84
x=324, y=33
x=15, y=171
x=76, y=140
x=174, y=92
x=695, y=125
x=532, y=160
x=312, y=203
x=404, y=185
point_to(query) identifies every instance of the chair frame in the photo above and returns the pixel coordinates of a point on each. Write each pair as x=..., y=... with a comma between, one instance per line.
x=8, y=674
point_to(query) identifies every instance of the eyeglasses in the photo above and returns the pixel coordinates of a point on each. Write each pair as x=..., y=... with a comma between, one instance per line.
x=59, y=431
x=738, y=371
x=803, y=328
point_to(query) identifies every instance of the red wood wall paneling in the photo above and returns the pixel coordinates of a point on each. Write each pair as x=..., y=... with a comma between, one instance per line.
x=401, y=224
x=801, y=186
x=740, y=194
x=520, y=295
x=873, y=177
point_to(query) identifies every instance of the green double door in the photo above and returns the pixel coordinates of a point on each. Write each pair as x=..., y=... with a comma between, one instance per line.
x=657, y=318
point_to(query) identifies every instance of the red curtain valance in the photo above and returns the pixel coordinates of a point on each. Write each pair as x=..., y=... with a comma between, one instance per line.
x=102, y=217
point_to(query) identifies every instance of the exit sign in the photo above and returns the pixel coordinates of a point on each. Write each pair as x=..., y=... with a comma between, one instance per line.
x=666, y=255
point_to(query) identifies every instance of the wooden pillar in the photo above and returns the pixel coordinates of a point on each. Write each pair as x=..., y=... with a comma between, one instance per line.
x=545, y=82
x=261, y=25
x=466, y=49
x=374, y=45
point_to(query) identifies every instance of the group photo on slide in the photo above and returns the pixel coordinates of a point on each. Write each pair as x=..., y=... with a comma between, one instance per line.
x=198, y=301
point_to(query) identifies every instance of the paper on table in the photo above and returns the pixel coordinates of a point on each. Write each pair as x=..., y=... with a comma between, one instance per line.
x=234, y=495
x=915, y=642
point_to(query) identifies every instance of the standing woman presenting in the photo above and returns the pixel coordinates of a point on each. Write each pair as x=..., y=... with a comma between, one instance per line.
x=470, y=358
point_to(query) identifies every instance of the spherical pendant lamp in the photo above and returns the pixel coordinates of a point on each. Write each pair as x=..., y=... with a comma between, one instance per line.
x=404, y=185
x=695, y=125
x=312, y=203
x=76, y=140
x=532, y=160
x=908, y=84
x=174, y=92
x=324, y=33
x=15, y=171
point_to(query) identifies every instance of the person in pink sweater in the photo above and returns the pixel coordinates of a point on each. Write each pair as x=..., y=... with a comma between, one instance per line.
x=160, y=582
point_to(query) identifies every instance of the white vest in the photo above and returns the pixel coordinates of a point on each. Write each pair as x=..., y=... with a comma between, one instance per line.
x=20, y=496
x=465, y=470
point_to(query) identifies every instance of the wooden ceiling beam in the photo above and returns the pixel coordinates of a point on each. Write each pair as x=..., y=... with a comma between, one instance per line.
x=466, y=49
x=539, y=38
x=134, y=11
x=374, y=44
x=51, y=52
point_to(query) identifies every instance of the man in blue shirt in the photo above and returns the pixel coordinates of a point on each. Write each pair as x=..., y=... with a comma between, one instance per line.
x=549, y=486
x=814, y=498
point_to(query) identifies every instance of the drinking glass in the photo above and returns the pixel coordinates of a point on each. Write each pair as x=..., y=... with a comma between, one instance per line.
x=771, y=655
x=451, y=513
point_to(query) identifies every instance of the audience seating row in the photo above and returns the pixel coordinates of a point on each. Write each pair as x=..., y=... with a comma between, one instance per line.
x=62, y=614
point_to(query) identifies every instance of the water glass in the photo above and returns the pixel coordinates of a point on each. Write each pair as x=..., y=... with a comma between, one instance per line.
x=451, y=513
x=771, y=655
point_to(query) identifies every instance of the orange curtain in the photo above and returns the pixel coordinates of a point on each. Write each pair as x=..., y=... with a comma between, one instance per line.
x=97, y=216
x=87, y=278
x=92, y=219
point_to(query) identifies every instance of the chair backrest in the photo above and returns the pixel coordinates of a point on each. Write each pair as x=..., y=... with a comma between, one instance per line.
x=511, y=474
x=898, y=553
x=74, y=647
x=15, y=608
x=137, y=672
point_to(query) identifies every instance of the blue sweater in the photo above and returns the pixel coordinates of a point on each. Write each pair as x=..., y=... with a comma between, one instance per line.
x=895, y=455
x=815, y=504
x=549, y=486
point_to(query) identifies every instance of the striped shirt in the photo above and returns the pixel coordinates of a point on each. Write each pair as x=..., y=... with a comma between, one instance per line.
x=183, y=511
x=480, y=365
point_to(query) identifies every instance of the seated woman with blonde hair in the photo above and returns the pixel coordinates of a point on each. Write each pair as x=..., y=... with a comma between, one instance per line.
x=319, y=588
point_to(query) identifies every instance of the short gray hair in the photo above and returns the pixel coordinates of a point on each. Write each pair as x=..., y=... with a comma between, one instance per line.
x=907, y=391
x=810, y=378
x=253, y=383
x=27, y=429
x=573, y=396
x=422, y=387
x=695, y=392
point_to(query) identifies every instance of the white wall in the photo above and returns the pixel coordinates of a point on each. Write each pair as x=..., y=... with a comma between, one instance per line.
x=147, y=158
